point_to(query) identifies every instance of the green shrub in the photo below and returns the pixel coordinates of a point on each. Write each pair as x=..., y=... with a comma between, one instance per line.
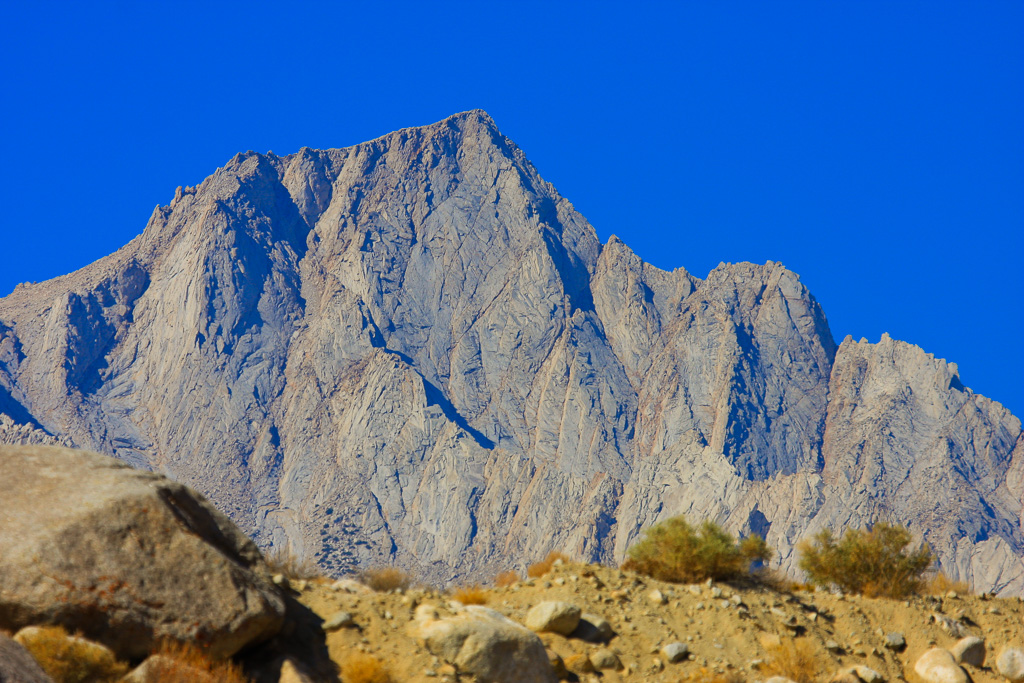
x=875, y=562
x=675, y=551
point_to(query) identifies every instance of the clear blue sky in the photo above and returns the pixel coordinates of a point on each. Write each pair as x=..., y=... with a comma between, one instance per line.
x=875, y=148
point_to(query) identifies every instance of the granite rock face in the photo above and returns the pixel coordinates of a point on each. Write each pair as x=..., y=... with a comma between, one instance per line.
x=128, y=558
x=414, y=350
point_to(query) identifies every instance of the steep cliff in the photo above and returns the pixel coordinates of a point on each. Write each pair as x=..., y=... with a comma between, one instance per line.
x=415, y=350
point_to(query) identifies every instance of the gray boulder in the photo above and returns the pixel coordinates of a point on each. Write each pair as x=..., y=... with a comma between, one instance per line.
x=553, y=616
x=938, y=666
x=486, y=644
x=1011, y=664
x=17, y=665
x=969, y=650
x=125, y=557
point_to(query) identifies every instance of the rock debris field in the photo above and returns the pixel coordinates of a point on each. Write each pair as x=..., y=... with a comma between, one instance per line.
x=601, y=624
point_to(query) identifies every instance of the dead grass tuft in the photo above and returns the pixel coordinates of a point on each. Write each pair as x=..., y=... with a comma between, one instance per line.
x=940, y=584
x=358, y=667
x=187, y=664
x=70, y=659
x=705, y=675
x=792, y=659
x=384, y=579
x=471, y=595
x=544, y=566
x=284, y=561
x=506, y=579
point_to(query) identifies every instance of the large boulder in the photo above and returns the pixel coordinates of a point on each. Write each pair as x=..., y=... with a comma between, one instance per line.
x=126, y=557
x=485, y=643
x=17, y=665
x=938, y=666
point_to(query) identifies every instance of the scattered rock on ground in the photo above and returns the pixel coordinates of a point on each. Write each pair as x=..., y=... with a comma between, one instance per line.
x=554, y=616
x=969, y=650
x=339, y=620
x=676, y=652
x=938, y=666
x=17, y=665
x=485, y=643
x=593, y=629
x=1010, y=664
x=895, y=642
x=605, y=659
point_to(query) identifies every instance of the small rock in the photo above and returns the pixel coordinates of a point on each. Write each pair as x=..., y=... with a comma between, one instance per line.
x=969, y=650
x=17, y=665
x=716, y=592
x=579, y=664
x=833, y=647
x=953, y=628
x=779, y=679
x=339, y=620
x=866, y=674
x=593, y=629
x=301, y=585
x=938, y=666
x=292, y=672
x=895, y=642
x=676, y=652
x=1010, y=664
x=554, y=616
x=656, y=597
x=605, y=659
x=558, y=665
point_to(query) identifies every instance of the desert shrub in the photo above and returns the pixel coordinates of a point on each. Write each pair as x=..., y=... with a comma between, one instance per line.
x=792, y=659
x=384, y=579
x=940, y=584
x=470, y=595
x=183, y=663
x=674, y=551
x=69, y=659
x=284, y=561
x=358, y=667
x=506, y=579
x=544, y=566
x=875, y=562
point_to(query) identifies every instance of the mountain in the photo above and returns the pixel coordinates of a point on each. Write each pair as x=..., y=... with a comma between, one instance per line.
x=414, y=350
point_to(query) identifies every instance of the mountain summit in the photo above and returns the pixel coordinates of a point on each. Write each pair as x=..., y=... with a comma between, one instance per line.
x=414, y=350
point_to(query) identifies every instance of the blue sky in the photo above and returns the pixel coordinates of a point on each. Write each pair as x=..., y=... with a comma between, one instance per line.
x=875, y=148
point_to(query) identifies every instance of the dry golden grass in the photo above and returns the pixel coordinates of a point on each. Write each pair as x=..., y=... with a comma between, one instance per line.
x=544, y=566
x=470, y=595
x=704, y=675
x=792, y=659
x=284, y=561
x=384, y=579
x=188, y=664
x=70, y=660
x=940, y=584
x=363, y=668
x=506, y=579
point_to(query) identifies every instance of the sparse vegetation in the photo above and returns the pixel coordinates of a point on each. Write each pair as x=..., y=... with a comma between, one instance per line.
x=940, y=584
x=181, y=663
x=384, y=579
x=284, y=561
x=792, y=659
x=358, y=667
x=70, y=659
x=875, y=563
x=674, y=551
x=544, y=566
x=470, y=595
x=705, y=675
x=506, y=579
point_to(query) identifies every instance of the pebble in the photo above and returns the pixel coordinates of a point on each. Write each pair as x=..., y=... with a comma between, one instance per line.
x=339, y=620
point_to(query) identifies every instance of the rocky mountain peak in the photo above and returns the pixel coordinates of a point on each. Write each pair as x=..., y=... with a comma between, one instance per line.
x=414, y=350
